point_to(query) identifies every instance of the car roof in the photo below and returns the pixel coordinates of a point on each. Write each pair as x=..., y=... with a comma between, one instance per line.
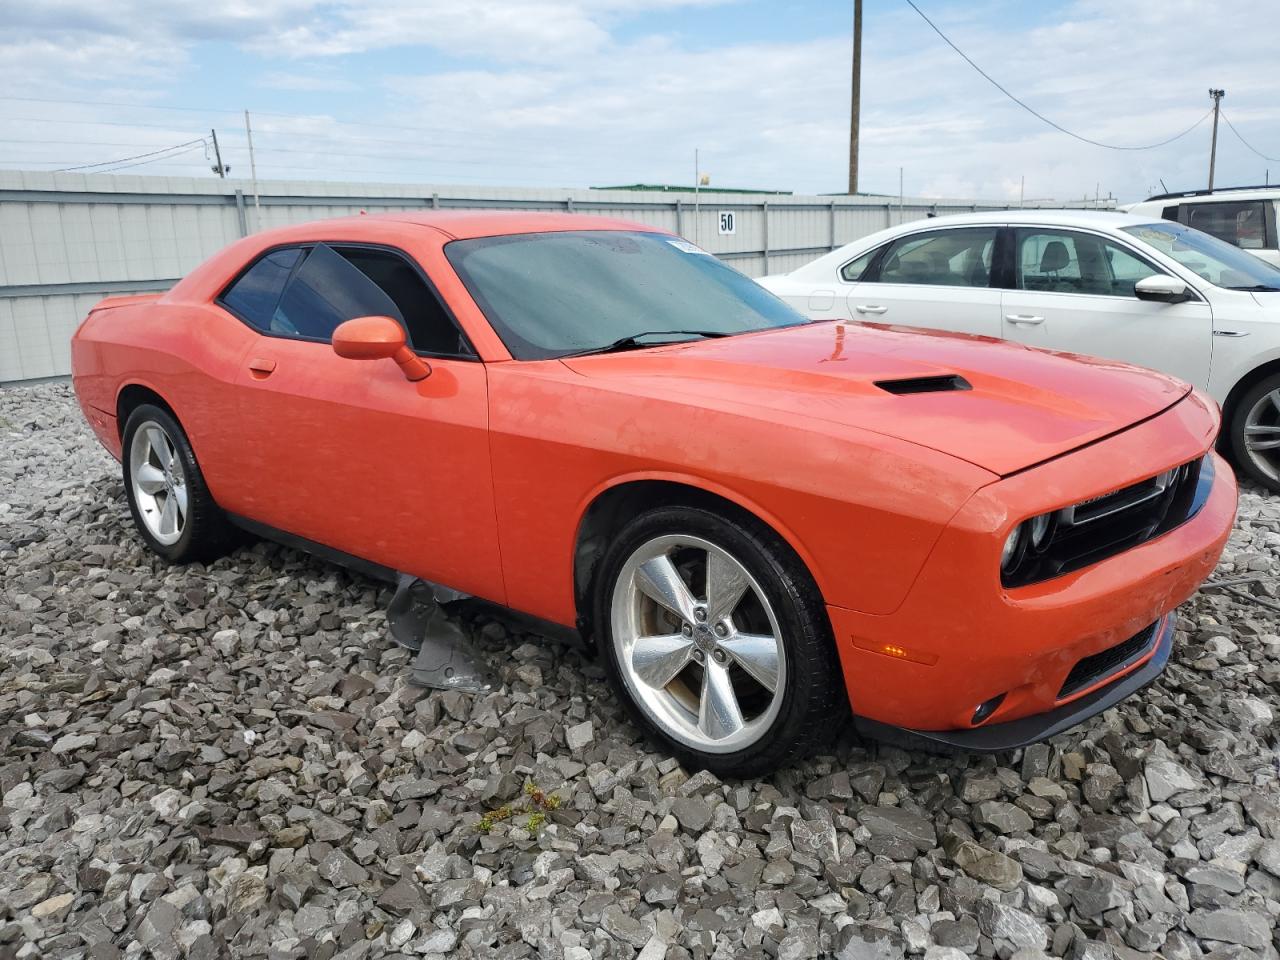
x=1226, y=195
x=466, y=224
x=1040, y=216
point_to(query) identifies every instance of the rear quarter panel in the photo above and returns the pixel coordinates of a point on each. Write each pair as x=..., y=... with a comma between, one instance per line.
x=187, y=353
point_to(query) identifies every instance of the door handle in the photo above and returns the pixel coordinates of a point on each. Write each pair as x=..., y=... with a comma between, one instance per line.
x=260, y=368
x=870, y=308
x=1024, y=319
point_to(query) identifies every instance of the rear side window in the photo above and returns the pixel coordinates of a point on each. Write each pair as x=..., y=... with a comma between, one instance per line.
x=1242, y=224
x=854, y=269
x=1170, y=213
x=306, y=293
x=255, y=294
x=948, y=258
x=325, y=292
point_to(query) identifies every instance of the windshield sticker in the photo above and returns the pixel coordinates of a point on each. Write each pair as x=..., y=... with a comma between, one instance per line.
x=687, y=247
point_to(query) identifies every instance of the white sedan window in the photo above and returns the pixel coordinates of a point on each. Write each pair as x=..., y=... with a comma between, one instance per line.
x=949, y=258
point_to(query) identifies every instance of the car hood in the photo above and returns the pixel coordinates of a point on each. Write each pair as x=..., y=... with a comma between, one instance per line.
x=1000, y=406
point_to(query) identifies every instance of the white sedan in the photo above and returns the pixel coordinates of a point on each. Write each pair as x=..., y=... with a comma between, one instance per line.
x=1113, y=285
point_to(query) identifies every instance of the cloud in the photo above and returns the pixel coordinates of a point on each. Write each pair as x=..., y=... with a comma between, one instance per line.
x=576, y=92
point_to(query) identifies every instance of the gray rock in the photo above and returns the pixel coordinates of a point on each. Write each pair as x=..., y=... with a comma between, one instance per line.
x=857, y=942
x=1166, y=778
x=896, y=822
x=1004, y=923
x=989, y=866
x=579, y=736
x=1002, y=817
x=341, y=871
x=693, y=813
x=1231, y=926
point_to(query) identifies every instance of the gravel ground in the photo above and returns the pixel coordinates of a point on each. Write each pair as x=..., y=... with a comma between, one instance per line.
x=227, y=761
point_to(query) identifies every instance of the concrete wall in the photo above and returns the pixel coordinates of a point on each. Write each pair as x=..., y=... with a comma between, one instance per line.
x=66, y=240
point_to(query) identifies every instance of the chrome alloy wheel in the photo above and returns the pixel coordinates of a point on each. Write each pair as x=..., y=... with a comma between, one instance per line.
x=698, y=644
x=159, y=483
x=1262, y=434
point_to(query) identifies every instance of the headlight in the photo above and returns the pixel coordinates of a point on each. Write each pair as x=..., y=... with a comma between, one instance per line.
x=1040, y=529
x=1011, y=546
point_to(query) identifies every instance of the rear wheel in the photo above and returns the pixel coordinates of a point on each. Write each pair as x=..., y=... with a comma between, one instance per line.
x=716, y=638
x=1255, y=433
x=171, y=506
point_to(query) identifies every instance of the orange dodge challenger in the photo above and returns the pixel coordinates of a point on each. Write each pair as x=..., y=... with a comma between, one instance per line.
x=757, y=517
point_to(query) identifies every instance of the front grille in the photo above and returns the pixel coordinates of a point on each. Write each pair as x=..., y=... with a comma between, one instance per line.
x=1112, y=660
x=1103, y=526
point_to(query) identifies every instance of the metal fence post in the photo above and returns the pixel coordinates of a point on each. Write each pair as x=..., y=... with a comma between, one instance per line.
x=764, y=209
x=679, y=217
x=240, y=214
x=568, y=204
x=888, y=215
x=831, y=225
x=435, y=201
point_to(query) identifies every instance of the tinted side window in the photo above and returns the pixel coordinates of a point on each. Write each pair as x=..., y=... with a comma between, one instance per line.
x=257, y=291
x=326, y=291
x=430, y=329
x=1170, y=213
x=1242, y=224
x=950, y=258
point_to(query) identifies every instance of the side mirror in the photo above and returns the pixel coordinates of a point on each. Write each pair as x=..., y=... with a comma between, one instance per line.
x=1162, y=288
x=379, y=338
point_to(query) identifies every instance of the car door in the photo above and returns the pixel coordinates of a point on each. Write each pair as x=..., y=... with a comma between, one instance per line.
x=939, y=279
x=349, y=453
x=1073, y=290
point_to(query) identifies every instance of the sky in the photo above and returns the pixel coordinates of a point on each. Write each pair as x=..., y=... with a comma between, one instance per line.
x=575, y=93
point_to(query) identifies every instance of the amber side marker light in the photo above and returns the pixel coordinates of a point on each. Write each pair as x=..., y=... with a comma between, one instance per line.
x=895, y=651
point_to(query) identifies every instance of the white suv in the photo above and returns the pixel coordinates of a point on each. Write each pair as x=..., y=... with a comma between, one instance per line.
x=1244, y=217
x=1106, y=284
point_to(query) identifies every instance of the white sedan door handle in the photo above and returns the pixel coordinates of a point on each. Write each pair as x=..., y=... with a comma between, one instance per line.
x=1024, y=319
x=870, y=308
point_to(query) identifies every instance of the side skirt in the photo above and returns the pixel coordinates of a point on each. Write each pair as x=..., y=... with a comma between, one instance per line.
x=442, y=594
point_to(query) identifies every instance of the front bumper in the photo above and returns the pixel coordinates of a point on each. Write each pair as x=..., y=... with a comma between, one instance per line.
x=1013, y=734
x=959, y=639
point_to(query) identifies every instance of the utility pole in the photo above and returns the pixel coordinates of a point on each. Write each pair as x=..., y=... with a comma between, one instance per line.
x=219, y=169
x=253, y=174
x=855, y=97
x=1213, y=149
x=697, y=182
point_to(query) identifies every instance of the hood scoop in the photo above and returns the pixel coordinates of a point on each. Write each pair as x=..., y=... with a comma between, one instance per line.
x=943, y=384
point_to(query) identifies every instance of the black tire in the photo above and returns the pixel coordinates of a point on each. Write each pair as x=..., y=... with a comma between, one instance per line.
x=814, y=706
x=1244, y=460
x=206, y=532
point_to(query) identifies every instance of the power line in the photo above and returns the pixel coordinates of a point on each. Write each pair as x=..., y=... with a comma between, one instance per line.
x=195, y=146
x=1040, y=116
x=153, y=153
x=314, y=117
x=1246, y=142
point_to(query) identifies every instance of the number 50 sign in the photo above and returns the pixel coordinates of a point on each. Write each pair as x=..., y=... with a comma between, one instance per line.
x=728, y=223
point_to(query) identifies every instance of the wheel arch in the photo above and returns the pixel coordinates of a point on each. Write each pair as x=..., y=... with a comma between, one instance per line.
x=133, y=395
x=611, y=506
x=1243, y=386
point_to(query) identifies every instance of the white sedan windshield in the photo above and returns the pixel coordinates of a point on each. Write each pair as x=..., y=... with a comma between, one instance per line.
x=1208, y=257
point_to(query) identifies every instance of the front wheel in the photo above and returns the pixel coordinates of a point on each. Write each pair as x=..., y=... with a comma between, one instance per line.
x=1255, y=433
x=717, y=639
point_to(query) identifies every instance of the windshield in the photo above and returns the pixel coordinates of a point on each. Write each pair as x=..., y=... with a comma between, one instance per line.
x=1208, y=257
x=553, y=294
